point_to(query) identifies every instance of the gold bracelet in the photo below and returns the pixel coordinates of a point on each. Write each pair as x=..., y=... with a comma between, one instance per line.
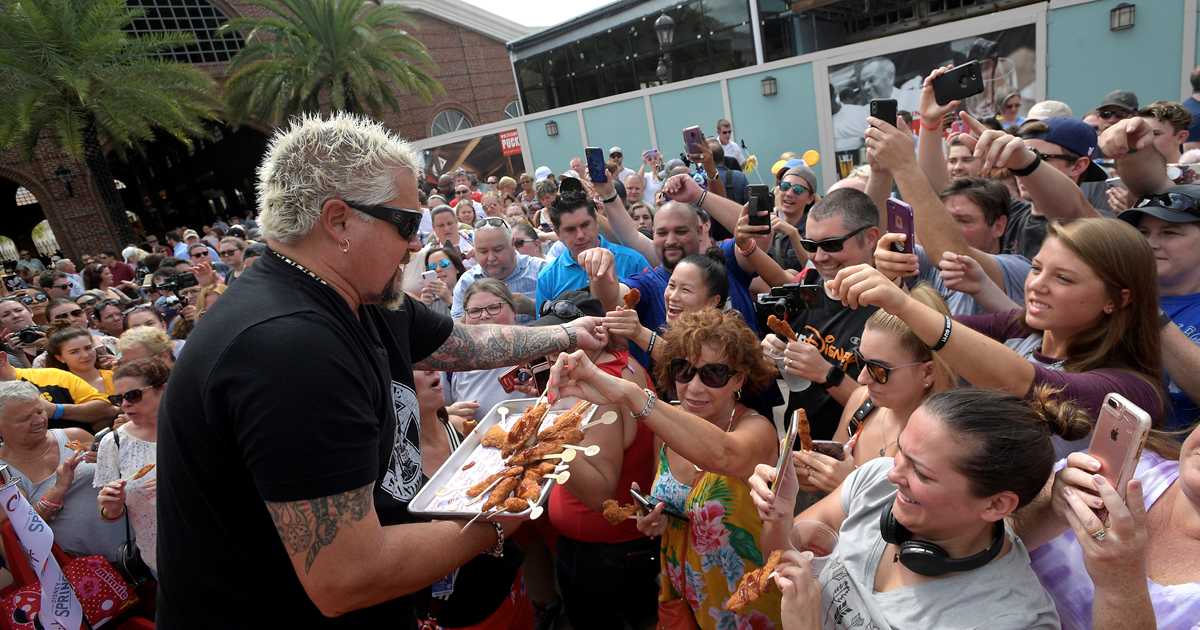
x=110, y=518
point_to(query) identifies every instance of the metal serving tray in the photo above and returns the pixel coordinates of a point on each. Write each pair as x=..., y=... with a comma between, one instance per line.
x=452, y=502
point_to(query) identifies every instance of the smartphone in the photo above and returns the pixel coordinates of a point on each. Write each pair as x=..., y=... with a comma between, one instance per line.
x=12, y=282
x=761, y=204
x=836, y=450
x=900, y=221
x=649, y=154
x=785, y=449
x=1118, y=438
x=692, y=138
x=649, y=506
x=958, y=83
x=185, y=280
x=595, y=164
x=1114, y=182
x=958, y=127
x=428, y=276
x=522, y=374
x=541, y=375
x=884, y=109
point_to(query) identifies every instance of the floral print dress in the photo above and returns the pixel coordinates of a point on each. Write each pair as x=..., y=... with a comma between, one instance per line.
x=704, y=559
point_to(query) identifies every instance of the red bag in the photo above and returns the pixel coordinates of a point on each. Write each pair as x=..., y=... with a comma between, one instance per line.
x=101, y=590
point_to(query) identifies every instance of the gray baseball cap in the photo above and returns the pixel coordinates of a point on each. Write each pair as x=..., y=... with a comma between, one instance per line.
x=1179, y=204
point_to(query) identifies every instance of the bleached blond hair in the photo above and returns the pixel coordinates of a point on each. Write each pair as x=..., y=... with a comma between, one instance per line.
x=152, y=339
x=345, y=156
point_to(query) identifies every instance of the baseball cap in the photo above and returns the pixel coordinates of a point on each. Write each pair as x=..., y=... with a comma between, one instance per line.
x=1120, y=99
x=567, y=307
x=541, y=173
x=804, y=172
x=1049, y=109
x=1077, y=137
x=616, y=150
x=783, y=165
x=190, y=233
x=1179, y=204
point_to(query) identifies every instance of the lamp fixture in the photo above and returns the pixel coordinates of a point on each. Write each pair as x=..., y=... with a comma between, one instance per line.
x=770, y=87
x=1122, y=16
x=65, y=177
x=551, y=128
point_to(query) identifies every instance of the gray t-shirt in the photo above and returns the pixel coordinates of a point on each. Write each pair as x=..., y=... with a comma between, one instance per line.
x=1014, y=267
x=1005, y=593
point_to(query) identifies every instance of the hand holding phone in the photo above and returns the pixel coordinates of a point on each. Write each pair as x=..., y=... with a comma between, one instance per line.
x=885, y=109
x=1117, y=440
x=595, y=165
x=648, y=504
x=761, y=204
x=958, y=83
x=692, y=137
x=900, y=221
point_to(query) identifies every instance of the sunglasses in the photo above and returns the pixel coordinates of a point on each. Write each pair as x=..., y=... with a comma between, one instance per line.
x=200, y=253
x=68, y=315
x=30, y=299
x=786, y=186
x=1054, y=156
x=133, y=396
x=63, y=287
x=714, y=375
x=562, y=309
x=879, y=371
x=406, y=220
x=518, y=243
x=1110, y=114
x=831, y=245
x=228, y=253
x=1171, y=201
x=462, y=192
x=441, y=264
x=491, y=309
x=491, y=222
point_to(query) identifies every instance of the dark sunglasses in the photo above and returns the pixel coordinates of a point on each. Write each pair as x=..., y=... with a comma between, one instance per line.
x=1110, y=114
x=786, y=186
x=133, y=396
x=1054, y=156
x=1172, y=201
x=229, y=252
x=406, y=220
x=879, y=371
x=30, y=299
x=68, y=314
x=830, y=245
x=63, y=287
x=200, y=253
x=518, y=243
x=491, y=221
x=462, y=192
x=441, y=264
x=714, y=375
x=561, y=309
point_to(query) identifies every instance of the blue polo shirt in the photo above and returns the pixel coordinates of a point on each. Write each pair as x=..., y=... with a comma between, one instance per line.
x=1184, y=310
x=564, y=274
x=652, y=283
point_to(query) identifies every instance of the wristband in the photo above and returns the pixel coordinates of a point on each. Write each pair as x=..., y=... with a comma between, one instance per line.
x=941, y=342
x=572, y=341
x=937, y=127
x=650, y=398
x=59, y=410
x=653, y=339
x=611, y=199
x=700, y=201
x=749, y=250
x=497, y=550
x=1028, y=170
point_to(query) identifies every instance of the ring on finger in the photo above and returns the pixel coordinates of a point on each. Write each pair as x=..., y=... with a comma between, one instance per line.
x=1099, y=534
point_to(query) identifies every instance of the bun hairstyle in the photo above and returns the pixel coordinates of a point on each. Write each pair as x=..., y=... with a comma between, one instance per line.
x=712, y=269
x=1005, y=440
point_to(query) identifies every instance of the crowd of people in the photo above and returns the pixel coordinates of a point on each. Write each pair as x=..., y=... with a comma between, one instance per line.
x=303, y=372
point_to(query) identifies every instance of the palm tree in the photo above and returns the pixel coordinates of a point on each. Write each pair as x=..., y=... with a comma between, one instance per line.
x=304, y=55
x=78, y=80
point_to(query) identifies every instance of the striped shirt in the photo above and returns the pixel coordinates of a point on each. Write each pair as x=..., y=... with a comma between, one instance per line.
x=1059, y=565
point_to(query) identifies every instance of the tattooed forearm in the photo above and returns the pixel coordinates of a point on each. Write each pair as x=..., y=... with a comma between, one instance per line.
x=489, y=346
x=311, y=525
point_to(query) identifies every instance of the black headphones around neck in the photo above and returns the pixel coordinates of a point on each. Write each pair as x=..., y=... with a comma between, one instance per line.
x=925, y=558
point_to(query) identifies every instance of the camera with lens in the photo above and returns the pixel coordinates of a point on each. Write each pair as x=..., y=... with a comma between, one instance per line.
x=786, y=300
x=178, y=281
x=31, y=334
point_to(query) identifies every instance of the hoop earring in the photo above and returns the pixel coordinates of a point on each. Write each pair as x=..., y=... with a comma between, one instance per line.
x=346, y=246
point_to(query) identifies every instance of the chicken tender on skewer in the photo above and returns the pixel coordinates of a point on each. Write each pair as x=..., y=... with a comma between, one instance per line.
x=535, y=453
x=781, y=328
x=565, y=435
x=615, y=513
x=477, y=489
x=632, y=297
x=530, y=487
x=753, y=584
x=524, y=428
x=500, y=493
x=515, y=504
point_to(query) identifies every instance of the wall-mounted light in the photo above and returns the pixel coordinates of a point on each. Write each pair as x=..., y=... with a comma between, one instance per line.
x=1121, y=17
x=664, y=29
x=770, y=86
x=551, y=128
x=65, y=176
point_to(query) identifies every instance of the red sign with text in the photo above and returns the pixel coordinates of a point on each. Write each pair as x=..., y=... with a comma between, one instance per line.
x=510, y=143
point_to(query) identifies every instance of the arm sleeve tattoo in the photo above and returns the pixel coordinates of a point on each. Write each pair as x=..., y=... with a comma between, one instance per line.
x=312, y=524
x=490, y=346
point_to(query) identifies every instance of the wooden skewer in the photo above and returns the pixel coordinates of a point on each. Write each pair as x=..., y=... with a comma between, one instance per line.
x=566, y=456
x=608, y=417
x=589, y=451
x=476, y=517
x=561, y=477
x=483, y=494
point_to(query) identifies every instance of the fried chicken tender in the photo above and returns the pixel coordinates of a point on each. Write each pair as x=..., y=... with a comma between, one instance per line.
x=477, y=489
x=565, y=435
x=753, y=584
x=515, y=504
x=632, y=297
x=142, y=472
x=535, y=453
x=524, y=428
x=803, y=430
x=781, y=328
x=572, y=417
x=500, y=493
x=530, y=487
x=615, y=513
x=495, y=437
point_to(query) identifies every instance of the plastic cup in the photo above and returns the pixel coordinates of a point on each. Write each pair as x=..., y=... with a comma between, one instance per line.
x=794, y=383
x=814, y=536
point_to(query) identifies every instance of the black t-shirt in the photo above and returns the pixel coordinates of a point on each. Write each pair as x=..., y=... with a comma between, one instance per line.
x=836, y=331
x=1025, y=231
x=284, y=395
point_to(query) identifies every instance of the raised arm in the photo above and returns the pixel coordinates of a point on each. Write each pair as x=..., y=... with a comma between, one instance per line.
x=492, y=346
x=622, y=224
x=346, y=561
x=684, y=189
x=1142, y=168
x=931, y=152
x=1054, y=195
x=936, y=229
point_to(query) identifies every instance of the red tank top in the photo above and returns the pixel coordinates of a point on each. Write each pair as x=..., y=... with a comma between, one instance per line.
x=571, y=518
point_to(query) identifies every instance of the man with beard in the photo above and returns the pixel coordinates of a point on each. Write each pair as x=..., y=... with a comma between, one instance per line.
x=289, y=435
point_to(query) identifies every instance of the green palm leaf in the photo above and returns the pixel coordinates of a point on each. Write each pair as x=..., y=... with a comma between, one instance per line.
x=319, y=55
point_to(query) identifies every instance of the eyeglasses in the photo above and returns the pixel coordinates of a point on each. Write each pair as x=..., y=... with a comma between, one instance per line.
x=1171, y=201
x=228, y=253
x=786, y=186
x=518, y=243
x=406, y=220
x=133, y=396
x=30, y=299
x=64, y=316
x=462, y=192
x=491, y=309
x=200, y=253
x=714, y=375
x=441, y=264
x=63, y=287
x=881, y=371
x=561, y=309
x=492, y=222
x=831, y=245
x=1054, y=156
x=1110, y=114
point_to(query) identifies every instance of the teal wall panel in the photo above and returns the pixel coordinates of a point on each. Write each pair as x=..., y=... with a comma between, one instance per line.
x=696, y=105
x=554, y=152
x=771, y=125
x=620, y=124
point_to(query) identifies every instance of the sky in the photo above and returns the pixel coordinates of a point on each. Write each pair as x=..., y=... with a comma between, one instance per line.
x=538, y=12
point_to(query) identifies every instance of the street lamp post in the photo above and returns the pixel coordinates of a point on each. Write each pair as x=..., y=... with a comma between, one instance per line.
x=664, y=29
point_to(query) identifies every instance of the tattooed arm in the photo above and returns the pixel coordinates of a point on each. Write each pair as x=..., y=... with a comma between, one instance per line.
x=485, y=346
x=346, y=561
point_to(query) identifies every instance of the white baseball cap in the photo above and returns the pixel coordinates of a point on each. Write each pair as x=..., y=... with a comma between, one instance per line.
x=1049, y=109
x=616, y=150
x=541, y=173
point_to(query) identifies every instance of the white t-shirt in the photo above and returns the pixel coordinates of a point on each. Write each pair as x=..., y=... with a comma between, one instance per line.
x=734, y=150
x=123, y=462
x=1004, y=593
